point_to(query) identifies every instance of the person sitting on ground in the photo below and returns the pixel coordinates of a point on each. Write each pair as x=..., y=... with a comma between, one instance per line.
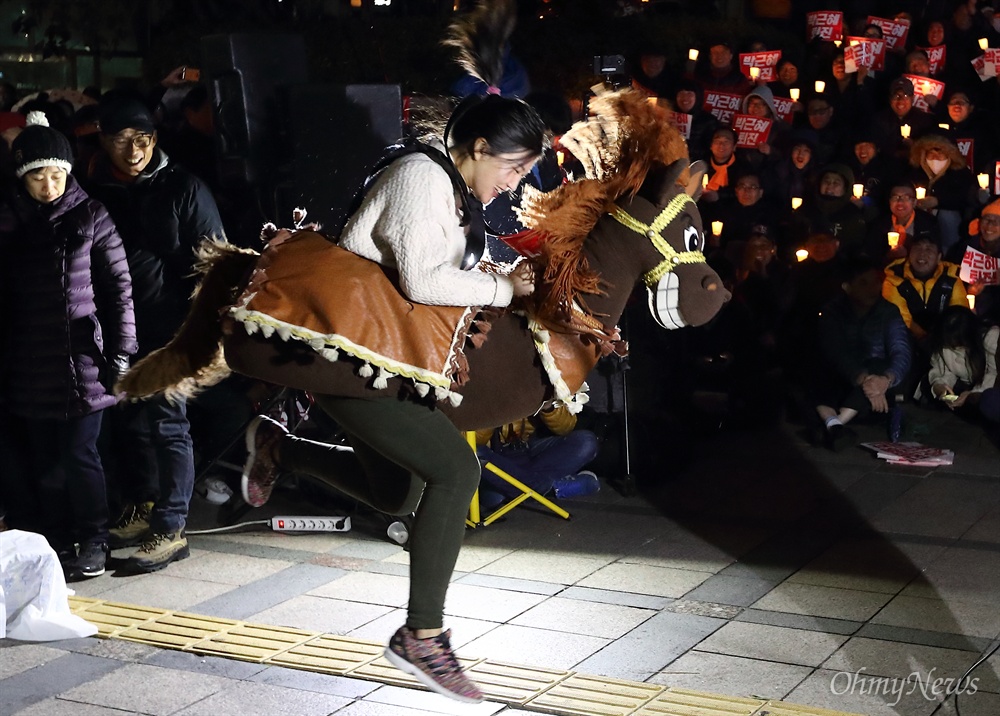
x=922, y=286
x=963, y=373
x=547, y=453
x=865, y=354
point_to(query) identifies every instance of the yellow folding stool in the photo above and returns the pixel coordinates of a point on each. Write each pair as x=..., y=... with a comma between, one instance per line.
x=475, y=519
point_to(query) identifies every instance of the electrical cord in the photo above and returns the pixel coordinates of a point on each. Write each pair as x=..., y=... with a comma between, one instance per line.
x=990, y=651
x=228, y=528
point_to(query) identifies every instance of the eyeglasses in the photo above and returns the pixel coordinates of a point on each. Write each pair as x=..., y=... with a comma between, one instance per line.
x=142, y=141
x=902, y=197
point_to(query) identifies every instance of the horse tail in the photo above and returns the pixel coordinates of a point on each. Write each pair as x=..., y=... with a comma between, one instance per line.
x=193, y=359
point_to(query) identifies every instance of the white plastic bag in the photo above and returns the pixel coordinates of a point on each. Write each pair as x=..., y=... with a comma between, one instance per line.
x=34, y=600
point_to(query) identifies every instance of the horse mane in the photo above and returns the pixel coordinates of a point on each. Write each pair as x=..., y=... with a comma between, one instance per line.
x=625, y=137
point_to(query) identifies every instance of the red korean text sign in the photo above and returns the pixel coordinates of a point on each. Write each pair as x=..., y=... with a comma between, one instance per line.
x=723, y=105
x=936, y=57
x=978, y=267
x=924, y=87
x=682, y=121
x=826, y=25
x=967, y=148
x=751, y=131
x=783, y=108
x=872, y=48
x=894, y=31
x=765, y=61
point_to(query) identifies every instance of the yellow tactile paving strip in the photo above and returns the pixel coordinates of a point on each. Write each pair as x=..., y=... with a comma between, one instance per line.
x=550, y=691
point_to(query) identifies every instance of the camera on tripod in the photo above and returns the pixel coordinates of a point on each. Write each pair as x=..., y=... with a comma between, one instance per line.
x=612, y=69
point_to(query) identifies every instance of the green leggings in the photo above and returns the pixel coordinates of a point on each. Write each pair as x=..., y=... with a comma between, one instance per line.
x=404, y=454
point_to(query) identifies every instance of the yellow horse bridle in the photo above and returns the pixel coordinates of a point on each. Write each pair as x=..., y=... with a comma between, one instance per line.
x=671, y=257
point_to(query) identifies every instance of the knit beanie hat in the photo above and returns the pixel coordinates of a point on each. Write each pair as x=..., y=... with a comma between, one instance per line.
x=991, y=208
x=125, y=113
x=38, y=146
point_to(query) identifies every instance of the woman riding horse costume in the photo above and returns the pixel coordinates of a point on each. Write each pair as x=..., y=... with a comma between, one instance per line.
x=313, y=316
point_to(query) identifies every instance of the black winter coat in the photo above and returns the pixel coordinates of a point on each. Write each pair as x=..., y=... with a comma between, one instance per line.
x=66, y=301
x=162, y=216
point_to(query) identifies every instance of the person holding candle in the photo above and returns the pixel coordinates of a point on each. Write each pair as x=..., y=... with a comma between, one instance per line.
x=737, y=215
x=965, y=124
x=963, y=372
x=951, y=189
x=721, y=72
x=889, y=125
x=984, y=236
x=903, y=217
x=722, y=166
x=830, y=209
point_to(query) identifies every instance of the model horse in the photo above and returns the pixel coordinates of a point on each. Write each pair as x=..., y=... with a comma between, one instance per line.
x=635, y=220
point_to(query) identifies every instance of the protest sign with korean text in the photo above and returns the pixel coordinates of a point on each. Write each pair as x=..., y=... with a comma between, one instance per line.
x=967, y=148
x=766, y=61
x=935, y=56
x=870, y=46
x=924, y=87
x=682, y=121
x=894, y=31
x=722, y=104
x=783, y=108
x=978, y=267
x=826, y=25
x=751, y=131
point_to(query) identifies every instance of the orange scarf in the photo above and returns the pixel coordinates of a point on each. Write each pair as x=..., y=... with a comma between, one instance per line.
x=721, y=176
x=903, y=229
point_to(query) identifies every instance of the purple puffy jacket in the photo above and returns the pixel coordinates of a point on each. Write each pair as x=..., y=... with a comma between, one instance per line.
x=66, y=301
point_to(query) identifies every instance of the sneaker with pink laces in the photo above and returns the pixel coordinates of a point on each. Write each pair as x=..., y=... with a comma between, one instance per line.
x=433, y=663
x=260, y=471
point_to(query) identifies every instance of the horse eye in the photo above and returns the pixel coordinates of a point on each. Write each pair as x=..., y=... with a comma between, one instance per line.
x=692, y=239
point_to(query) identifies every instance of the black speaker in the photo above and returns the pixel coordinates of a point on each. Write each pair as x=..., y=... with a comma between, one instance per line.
x=337, y=133
x=248, y=76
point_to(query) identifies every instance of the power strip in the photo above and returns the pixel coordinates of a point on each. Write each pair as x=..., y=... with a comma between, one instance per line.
x=310, y=524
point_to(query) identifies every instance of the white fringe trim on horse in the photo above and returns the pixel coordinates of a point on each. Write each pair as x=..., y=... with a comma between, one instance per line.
x=574, y=402
x=329, y=346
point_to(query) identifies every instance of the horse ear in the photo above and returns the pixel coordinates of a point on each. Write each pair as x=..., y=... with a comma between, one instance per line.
x=665, y=181
x=694, y=186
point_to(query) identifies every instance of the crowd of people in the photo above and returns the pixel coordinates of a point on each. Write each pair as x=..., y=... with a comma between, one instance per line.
x=841, y=232
x=843, y=228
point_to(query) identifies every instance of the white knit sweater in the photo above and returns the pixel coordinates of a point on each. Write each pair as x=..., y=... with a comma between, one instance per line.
x=951, y=365
x=409, y=220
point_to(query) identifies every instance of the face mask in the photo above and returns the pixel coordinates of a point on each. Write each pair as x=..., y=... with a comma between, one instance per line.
x=937, y=165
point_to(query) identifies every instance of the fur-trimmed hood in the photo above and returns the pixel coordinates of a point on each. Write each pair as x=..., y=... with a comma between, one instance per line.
x=936, y=141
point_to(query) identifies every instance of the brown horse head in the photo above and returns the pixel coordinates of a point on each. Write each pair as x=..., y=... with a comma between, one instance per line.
x=683, y=289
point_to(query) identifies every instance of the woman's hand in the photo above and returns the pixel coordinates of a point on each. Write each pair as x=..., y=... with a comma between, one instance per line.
x=523, y=278
x=960, y=400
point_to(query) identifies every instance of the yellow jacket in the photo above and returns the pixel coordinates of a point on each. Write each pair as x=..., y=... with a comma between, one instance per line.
x=558, y=420
x=899, y=273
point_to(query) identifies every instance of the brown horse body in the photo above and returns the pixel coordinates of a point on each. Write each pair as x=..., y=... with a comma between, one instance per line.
x=655, y=235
